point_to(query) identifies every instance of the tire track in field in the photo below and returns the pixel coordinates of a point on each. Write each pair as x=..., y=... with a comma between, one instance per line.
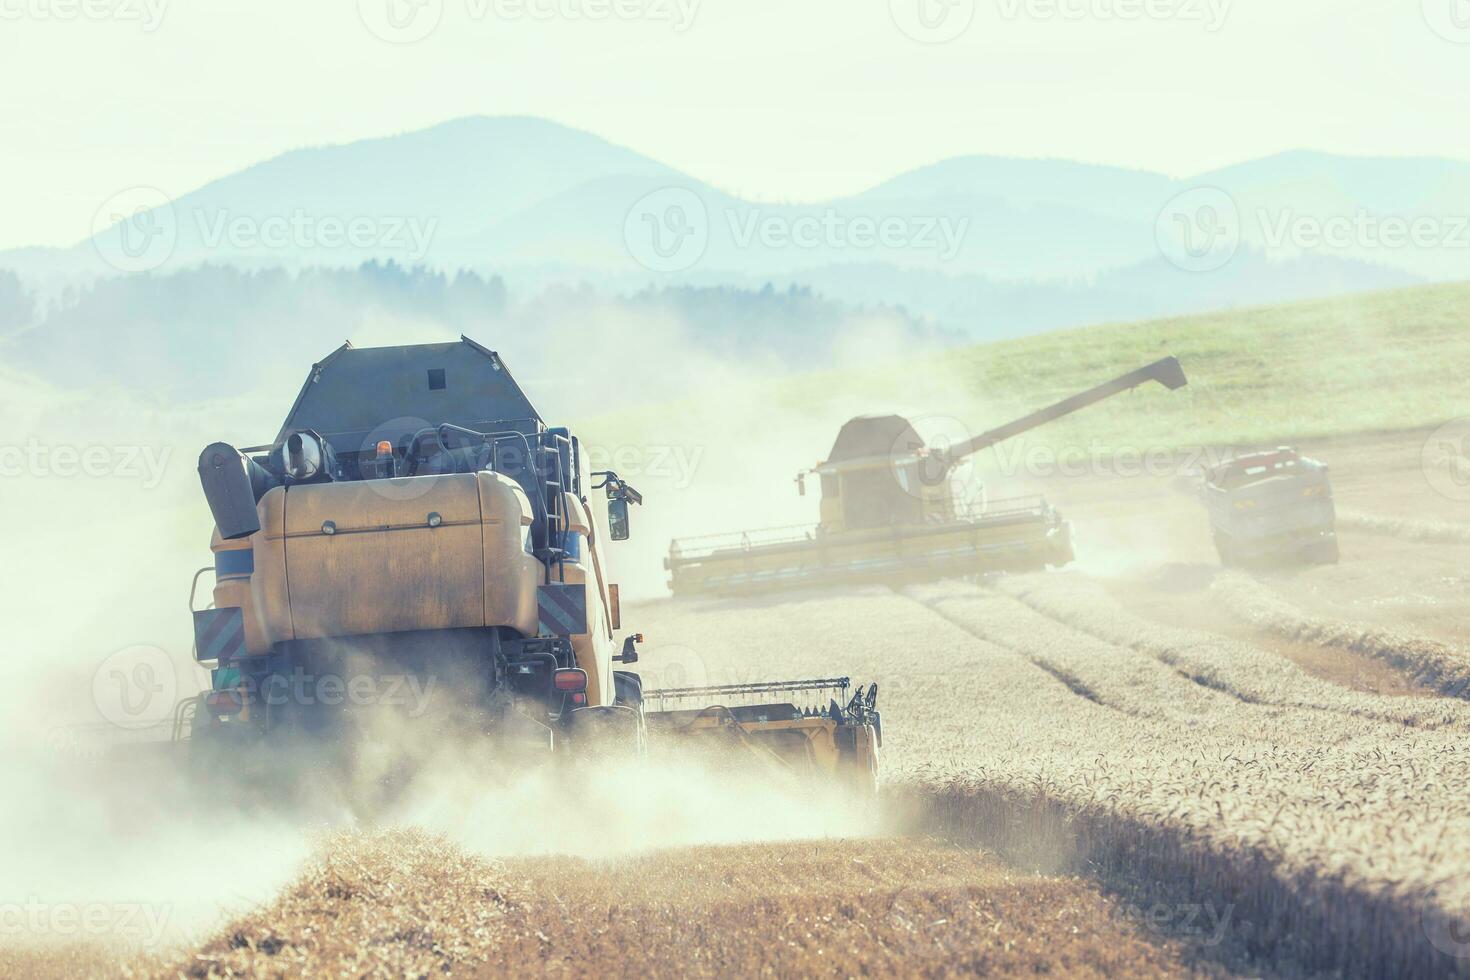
x=1247, y=673
x=1405, y=528
x=1063, y=677
x=1434, y=664
x=1110, y=674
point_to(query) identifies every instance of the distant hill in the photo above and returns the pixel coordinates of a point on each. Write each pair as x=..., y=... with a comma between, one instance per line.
x=219, y=332
x=981, y=243
x=1390, y=360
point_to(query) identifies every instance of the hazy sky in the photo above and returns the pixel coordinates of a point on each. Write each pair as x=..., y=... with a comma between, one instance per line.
x=771, y=98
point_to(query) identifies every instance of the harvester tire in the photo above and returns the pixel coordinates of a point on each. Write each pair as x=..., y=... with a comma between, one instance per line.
x=1326, y=552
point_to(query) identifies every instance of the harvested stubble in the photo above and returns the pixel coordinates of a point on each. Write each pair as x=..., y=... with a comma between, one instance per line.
x=1329, y=826
x=1429, y=662
x=374, y=906
x=1410, y=529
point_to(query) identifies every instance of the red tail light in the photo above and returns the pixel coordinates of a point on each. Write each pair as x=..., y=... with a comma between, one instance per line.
x=224, y=702
x=570, y=681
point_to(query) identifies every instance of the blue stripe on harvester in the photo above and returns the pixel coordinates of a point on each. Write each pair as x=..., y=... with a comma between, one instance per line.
x=233, y=563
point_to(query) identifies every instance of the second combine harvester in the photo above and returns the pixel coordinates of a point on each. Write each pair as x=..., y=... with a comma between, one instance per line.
x=889, y=512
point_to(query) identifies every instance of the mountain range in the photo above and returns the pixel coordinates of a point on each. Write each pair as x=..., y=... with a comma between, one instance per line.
x=986, y=245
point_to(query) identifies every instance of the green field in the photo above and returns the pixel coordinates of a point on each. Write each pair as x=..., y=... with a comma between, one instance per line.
x=1374, y=362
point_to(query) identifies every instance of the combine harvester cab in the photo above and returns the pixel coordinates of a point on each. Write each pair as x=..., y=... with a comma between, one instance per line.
x=889, y=513
x=1271, y=508
x=415, y=558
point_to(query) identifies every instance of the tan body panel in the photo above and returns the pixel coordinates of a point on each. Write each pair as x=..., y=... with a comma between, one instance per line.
x=594, y=649
x=385, y=569
x=234, y=590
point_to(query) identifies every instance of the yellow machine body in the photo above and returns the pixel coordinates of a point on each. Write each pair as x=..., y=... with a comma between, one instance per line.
x=889, y=513
x=461, y=553
x=412, y=553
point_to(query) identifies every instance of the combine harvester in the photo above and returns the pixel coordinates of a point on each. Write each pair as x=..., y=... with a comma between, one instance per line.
x=890, y=515
x=452, y=550
x=1271, y=507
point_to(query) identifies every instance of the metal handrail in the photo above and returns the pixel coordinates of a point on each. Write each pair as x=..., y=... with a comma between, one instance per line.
x=194, y=588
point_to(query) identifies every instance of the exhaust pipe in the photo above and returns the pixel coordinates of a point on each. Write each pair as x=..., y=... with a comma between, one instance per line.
x=304, y=456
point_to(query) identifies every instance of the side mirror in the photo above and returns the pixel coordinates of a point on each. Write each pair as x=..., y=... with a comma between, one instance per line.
x=617, y=519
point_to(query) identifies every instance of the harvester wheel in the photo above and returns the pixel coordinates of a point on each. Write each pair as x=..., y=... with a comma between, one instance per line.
x=1326, y=551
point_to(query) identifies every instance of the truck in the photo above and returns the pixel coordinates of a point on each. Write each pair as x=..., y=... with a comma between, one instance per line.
x=1271, y=507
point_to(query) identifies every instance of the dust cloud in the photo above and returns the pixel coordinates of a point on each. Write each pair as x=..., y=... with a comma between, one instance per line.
x=620, y=809
x=106, y=527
